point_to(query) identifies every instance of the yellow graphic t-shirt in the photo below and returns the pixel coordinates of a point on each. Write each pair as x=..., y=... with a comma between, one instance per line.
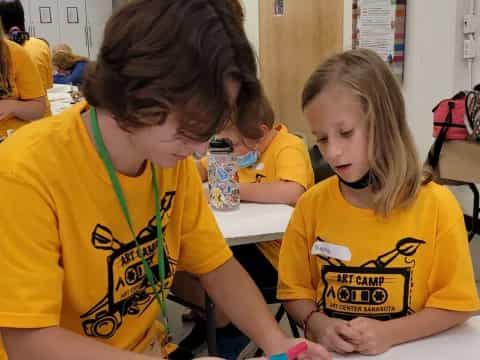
x=415, y=258
x=24, y=81
x=41, y=56
x=66, y=248
x=286, y=158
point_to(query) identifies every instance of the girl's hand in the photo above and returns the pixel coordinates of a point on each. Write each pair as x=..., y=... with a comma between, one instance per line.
x=374, y=339
x=335, y=334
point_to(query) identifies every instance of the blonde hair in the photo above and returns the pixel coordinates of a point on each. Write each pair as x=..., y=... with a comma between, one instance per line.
x=63, y=47
x=4, y=65
x=65, y=60
x=394, y=165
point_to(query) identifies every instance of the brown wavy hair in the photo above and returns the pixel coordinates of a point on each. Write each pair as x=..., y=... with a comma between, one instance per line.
x=395, y=168
x=237, y=10
x=163, y=55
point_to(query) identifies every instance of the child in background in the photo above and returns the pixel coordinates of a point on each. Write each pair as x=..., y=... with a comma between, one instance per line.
x=69, y=67
x=22, y=96
x=275, y=168
x=372, y=257
x=13, y=20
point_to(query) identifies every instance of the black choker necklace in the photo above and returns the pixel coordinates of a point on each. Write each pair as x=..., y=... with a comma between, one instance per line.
x=362, y=183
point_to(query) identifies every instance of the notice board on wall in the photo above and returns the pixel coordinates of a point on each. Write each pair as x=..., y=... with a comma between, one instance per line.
x=379, y=25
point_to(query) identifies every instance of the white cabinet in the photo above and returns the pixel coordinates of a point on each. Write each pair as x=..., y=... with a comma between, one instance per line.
x=78, y=23
x=98, y=13
x=26, y=10
x=73, y=26
x=44, y=20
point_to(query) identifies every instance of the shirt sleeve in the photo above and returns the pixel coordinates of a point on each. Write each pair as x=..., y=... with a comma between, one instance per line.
x=294, y=270
x=27, y=78
x=451, y=284
x=48, y=70
x=30, y=256
x=293, y=164
x=204, y=162
x=203, y=247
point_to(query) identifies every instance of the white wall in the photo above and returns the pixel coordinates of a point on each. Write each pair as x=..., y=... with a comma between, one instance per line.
x=118, y=3
x=251, y=11
x=434, y=69
x=434, y=66
x=429, y=61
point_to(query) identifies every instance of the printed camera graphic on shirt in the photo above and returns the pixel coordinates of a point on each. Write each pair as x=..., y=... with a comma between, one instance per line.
x=358, y=295
x=350, y=292
x=129, y=292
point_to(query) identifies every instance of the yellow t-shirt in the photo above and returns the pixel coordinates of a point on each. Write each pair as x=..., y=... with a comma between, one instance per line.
x=415, y=258
x=41, y=56
x=285, y=158
x=67, y=253
x=24, y=80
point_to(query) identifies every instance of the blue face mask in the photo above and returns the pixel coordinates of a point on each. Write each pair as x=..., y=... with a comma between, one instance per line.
x=248, y=159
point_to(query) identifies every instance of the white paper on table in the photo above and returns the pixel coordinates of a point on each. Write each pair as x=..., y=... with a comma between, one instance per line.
x=57, y=96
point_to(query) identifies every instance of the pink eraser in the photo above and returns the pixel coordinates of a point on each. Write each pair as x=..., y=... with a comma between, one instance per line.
x=296, y=350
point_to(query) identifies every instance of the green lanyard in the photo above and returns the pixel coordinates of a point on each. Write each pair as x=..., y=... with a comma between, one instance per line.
x=100, y=145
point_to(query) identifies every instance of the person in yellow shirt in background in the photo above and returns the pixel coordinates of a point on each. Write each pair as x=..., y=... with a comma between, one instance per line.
x=375, y=256
x=13, y=19
x=103, y=203
x=22, y=97
x=274, y=169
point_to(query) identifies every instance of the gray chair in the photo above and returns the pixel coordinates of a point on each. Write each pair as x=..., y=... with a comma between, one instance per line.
x=321, y=169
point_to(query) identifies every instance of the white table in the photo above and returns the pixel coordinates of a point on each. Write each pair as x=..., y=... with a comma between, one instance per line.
x=60, y=97
x=253, y=222
x=460, y=343
x=249, y=223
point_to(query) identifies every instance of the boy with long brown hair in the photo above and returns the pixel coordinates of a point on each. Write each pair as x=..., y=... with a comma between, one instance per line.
x=107, y=202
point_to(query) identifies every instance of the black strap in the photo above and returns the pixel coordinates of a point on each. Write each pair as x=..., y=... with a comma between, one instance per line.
x=434, y=154
x=436, y=123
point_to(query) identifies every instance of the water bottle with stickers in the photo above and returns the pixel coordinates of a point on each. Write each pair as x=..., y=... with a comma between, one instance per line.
x=223, y=186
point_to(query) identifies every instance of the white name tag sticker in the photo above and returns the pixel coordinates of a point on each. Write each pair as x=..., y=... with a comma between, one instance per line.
x=331, y=250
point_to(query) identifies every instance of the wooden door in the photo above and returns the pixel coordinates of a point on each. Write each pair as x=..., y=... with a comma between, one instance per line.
x=291, y=46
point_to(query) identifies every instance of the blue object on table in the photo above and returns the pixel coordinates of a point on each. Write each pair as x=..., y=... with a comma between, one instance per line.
x=75, y=77
x=281, y=356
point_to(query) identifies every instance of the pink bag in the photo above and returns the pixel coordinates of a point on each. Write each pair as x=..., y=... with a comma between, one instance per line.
x=449, y=118
x=448, y=124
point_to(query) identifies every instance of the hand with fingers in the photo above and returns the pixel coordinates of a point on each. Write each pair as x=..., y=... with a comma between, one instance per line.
x=297, y=349
x=374, y=338
x=300, y=349
x=335, y=334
